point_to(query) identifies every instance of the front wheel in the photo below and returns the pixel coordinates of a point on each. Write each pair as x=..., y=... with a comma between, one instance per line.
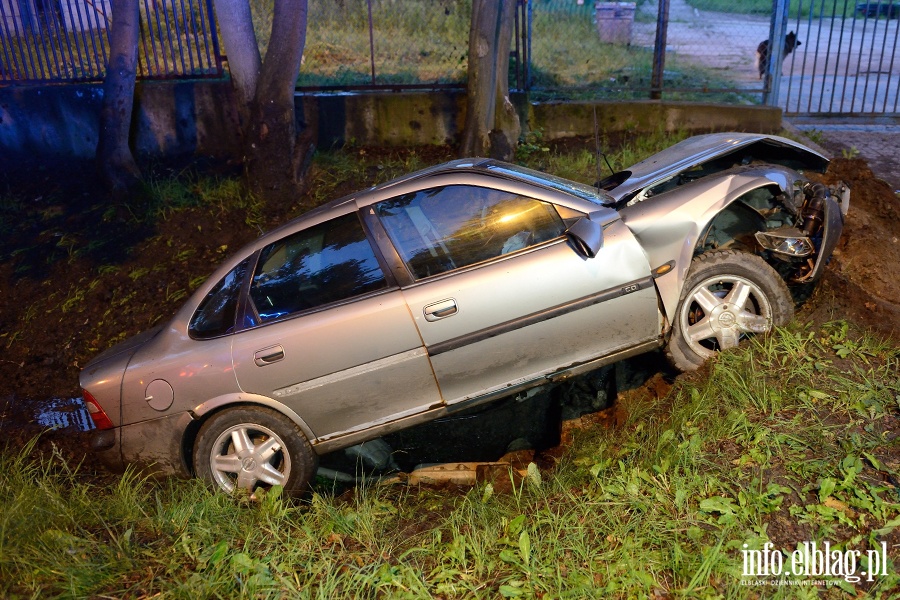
x=728, y=296
x=254, y=447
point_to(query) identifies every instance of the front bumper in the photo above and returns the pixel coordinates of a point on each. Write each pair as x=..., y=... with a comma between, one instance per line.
x=833, y=226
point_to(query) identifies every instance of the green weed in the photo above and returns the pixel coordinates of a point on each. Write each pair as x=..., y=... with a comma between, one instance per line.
x=660, y=506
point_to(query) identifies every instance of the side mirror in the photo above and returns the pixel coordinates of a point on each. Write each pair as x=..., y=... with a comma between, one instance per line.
x=586, y=236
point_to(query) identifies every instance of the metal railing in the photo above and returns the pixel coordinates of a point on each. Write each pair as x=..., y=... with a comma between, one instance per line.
x=845, y=61
x=55, y=41
x=849, y=64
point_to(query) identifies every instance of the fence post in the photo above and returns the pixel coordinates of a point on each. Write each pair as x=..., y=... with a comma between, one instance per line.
x=528, y=46
x=659, y=51
x=777, y=31
x=371, y=43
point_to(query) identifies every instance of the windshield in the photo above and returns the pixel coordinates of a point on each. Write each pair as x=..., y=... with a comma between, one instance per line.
x=585, y=192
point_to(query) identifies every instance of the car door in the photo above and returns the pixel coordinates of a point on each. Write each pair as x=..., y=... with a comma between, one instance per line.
x=331, y=338
x=499, y=295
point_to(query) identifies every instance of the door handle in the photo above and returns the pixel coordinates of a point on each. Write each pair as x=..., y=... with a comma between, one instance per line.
x=440, y=310
x=269, y=355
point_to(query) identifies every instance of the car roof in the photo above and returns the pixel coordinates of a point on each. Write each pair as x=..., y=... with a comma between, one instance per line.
x=480, y=166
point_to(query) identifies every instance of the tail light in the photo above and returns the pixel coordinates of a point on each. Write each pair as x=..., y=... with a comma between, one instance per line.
x=96, y=411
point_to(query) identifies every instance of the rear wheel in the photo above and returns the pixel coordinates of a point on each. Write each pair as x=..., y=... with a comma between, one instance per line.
x=728, y=297
x=251, y=448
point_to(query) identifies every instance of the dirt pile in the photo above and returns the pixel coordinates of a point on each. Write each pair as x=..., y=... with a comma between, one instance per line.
x=862, y=282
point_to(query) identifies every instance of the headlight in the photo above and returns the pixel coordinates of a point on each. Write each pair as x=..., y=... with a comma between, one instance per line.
x=787, y=242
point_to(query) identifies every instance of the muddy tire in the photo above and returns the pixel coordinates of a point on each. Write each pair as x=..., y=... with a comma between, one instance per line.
x=728, y=296
x=251, y=448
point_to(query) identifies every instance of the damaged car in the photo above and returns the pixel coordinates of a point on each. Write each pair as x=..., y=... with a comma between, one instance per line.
x=456, y=286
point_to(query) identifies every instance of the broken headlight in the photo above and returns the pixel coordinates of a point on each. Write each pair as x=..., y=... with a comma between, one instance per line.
x=789, y=242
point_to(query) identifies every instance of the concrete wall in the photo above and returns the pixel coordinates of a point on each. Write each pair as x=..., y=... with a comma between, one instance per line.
x=561, y=120
x=438, y=118
x=194, y=117
x=170, y=119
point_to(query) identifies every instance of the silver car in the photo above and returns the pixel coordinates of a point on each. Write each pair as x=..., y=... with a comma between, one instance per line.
x=454, y=286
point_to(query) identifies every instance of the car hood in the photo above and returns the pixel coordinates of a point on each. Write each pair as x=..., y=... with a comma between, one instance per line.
x=702, y=148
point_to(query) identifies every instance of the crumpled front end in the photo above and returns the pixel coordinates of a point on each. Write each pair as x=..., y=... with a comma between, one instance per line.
x=769, y=210
x=803, y=247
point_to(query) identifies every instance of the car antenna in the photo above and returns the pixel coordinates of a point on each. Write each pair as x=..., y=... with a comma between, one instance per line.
x=600, y=152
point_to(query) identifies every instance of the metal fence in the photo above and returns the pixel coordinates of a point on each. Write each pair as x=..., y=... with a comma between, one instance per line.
x=837, y=56
x=842, y=54
x=567, y=48
x=848, y=63
x=590, y=49
x=67, y=41
x=390, y=44
x=373, y=44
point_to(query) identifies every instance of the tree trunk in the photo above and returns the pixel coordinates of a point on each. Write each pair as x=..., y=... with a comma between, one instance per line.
x=239, y=39
x=274, y=157
x=507, y=128
x=492, y=124
x=116, y=164
x=481, y=86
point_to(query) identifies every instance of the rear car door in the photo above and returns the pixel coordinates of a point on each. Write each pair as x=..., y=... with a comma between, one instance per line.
x=330, y=336
x=499, y=295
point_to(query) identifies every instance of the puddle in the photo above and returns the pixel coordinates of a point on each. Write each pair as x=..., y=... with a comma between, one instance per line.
x=59, y=413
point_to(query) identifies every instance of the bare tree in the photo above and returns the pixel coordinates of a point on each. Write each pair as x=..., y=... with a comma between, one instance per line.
x=275, y=156
x=492, y=125
x=115, y=162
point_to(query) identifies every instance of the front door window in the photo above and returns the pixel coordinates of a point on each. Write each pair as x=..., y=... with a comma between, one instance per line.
x=450, y=227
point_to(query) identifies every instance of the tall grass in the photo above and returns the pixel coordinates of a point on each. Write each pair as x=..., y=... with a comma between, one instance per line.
x=581, y=165
x=783, y=442
x=415, y=41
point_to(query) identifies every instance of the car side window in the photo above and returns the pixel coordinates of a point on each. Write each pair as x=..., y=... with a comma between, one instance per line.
x=444, y=228
x=326, y=263
x=216, y=314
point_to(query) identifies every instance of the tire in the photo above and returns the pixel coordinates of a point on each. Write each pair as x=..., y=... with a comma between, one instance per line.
x=707, y=320
x=275, y=451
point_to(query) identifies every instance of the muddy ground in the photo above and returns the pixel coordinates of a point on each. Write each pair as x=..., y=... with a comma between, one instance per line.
x=79, y=274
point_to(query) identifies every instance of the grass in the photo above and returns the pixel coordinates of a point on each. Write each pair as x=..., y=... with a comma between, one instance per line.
x=581, y=164
x=566, y=52
x=784, y=442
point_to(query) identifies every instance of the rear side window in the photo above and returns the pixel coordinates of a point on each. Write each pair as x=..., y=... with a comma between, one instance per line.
x=326, y=263
x=217, y=313
x=445, y=228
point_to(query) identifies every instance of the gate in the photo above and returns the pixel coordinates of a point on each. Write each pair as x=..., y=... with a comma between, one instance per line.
x=847, y=64
x=52, y=41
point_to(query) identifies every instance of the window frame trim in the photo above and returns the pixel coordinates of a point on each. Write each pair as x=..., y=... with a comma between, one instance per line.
x=248, y=307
